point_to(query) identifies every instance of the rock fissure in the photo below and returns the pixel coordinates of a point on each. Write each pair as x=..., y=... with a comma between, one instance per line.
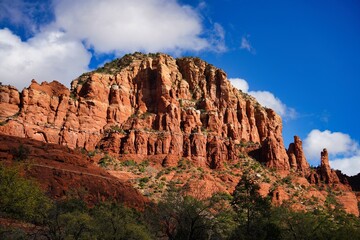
x=155, y=105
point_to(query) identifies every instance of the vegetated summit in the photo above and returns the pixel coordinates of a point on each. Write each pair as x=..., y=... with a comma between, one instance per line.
x=152, y=120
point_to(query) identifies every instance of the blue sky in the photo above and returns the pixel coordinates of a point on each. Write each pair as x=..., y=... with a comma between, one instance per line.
x=299, y=57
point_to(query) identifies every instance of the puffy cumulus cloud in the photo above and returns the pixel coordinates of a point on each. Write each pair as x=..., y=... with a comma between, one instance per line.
x=266, y=99
x=137, y=25
x=240, y=83
x=63, y=32
x=344, y=152
x=45, y=57
x=350, y=166
x=335, y=142
x=22, y=13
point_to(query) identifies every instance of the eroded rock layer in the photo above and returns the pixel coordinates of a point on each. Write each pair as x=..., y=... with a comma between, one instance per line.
x=164, y=109
x=147, y=105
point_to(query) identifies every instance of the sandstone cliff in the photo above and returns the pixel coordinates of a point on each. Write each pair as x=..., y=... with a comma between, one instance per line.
x=147, y=105
x=170, y=111
x=297, y=157
x=63, y=172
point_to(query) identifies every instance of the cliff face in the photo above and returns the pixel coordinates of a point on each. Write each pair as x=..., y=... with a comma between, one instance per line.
x=147, y=105
x=324, y=173
x=169, y=111
x=62, y=172
x=297, y=157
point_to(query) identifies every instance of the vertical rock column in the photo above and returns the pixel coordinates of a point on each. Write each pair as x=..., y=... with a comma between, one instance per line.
x=297, y=157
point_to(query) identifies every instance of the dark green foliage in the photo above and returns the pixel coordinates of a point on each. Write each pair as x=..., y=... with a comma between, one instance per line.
x=116, y=65
x=185, y=217
x=333, y=224
x=106, y=161
x=184, y=164
x=21, y=153
x=145, y=115
x=21, y=198
x=73, y=96
x=252, y=211
x=92, y=153
x=143, y=181
x=117, y=128
x=245, y=215
x=129, y=163
x=287, y=180
x=68, y=219
x=142, y=166
x=113, y=221
x=12, y=233
x=72, y=219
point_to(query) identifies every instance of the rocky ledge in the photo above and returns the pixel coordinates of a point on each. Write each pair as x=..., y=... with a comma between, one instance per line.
x=152, y=106
x=147, y=105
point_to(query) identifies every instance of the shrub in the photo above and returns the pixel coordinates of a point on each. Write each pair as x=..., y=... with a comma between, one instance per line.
x=21, y=153
x=106, y=161
x=287, y=179
x=143, y=181
x=21, y=198
x=92, y=153
x=117, y=128
x=129, y=163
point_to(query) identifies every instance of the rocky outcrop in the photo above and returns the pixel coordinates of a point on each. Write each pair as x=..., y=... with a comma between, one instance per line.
x=279, y=196
x=154, y=107
x=147, y=105
x=324, y=174
x=354, y=182
x=9, y=102
x=297, y=157
x=62, y=172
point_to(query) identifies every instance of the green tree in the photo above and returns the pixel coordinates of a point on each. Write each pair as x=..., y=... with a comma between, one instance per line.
x=12, y=233
x=68, y=219
x=184, y=217
x=117, y=222
x=20, y=153
x=252, y=212
x=317, y=224
x=21, y=198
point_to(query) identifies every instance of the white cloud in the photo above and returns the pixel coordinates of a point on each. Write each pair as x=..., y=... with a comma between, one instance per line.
x=268, y=99
x=265, y=98
x=240, y=83
x=344, y=152
x=336, y=143
x=350, y=166
x=245, y=44
x=21, y=13
x=60, y=49
x=47, y=56
x=127, y=26
x=217, y=38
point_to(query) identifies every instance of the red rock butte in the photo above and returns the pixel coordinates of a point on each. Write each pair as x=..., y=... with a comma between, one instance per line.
x=147, y=105
x=160, y=108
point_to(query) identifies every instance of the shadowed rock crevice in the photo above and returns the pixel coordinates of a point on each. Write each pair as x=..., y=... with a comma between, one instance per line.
x=152, y=106
x=157, y=96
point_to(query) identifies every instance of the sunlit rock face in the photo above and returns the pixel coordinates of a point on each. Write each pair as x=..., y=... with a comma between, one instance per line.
x=147, y=105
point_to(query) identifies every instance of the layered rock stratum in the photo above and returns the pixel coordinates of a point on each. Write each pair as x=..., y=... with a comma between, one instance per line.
x=147, y=106
x=157, y=108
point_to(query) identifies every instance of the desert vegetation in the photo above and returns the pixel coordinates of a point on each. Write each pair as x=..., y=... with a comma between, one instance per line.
x=27, y=213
